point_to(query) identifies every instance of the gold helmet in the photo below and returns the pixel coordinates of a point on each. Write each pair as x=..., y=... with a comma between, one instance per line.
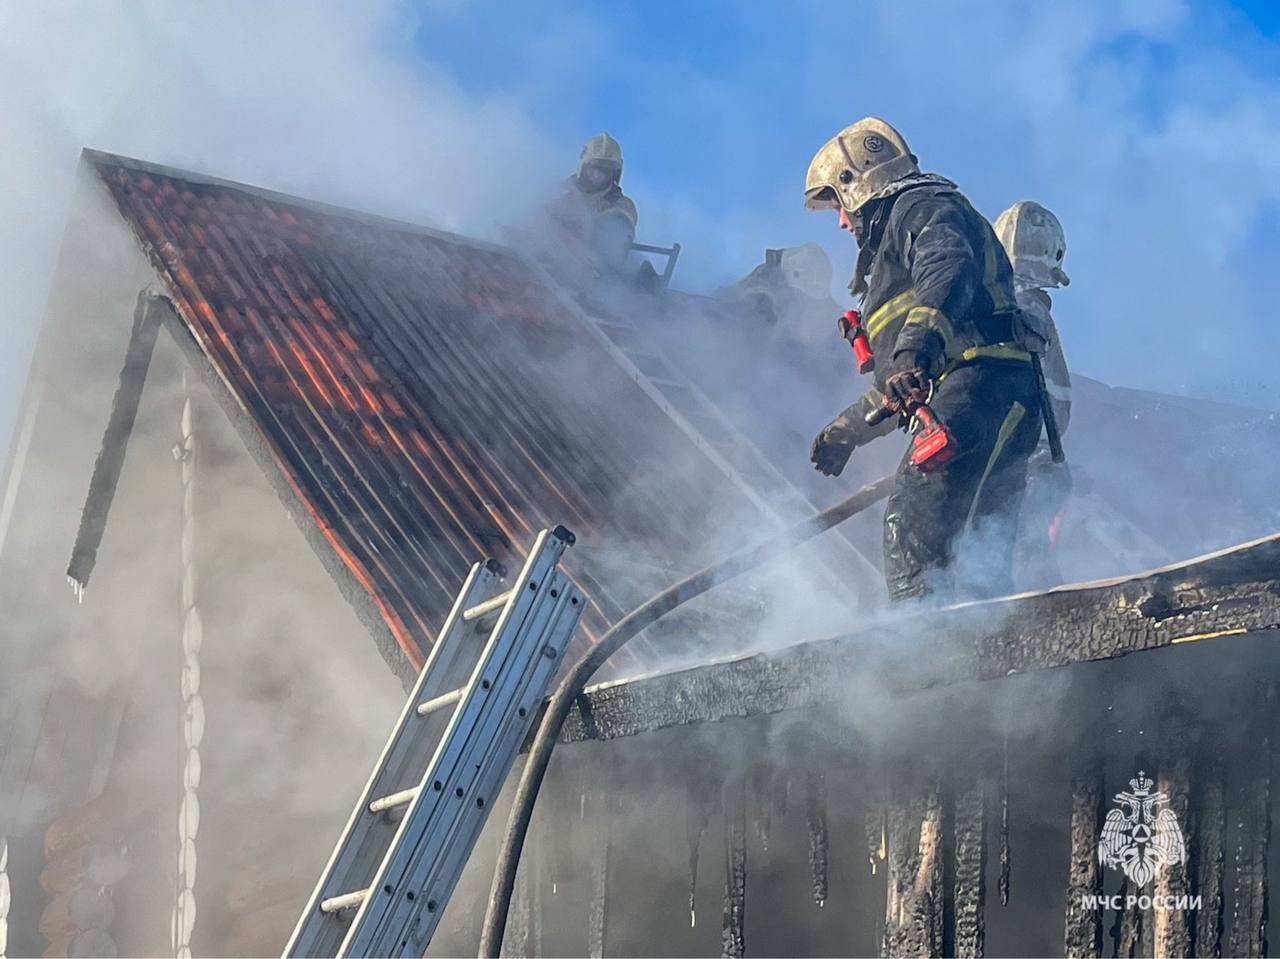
x=856, y=165
x=604, y=154
x=1033, y=238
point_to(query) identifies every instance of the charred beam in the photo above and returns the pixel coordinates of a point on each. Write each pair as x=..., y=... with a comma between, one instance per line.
x=115, y=441
x=1208, y=858
x=1083, y=938
x=1252, y=839
x=970, y=871
x=1224, y=594
x=913, y=907
x=1126, y=931
x=1173, y=926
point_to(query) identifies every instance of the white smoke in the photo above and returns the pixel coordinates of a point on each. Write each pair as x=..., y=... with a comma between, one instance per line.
x=324, y=100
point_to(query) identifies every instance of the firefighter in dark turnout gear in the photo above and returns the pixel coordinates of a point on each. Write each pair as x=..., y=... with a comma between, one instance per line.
x=938, y=304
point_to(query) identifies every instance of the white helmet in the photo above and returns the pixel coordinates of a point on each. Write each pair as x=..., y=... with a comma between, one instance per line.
x=808, y=269
x=857, y=165
x=1033, y=238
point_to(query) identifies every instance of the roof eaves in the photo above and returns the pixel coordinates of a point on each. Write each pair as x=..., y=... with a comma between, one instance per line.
x=1233, y=592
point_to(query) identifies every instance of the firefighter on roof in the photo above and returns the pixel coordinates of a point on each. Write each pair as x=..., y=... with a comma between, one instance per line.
x=1033, y=238
x=593, y=207
x=937, y=295
x=789, y=291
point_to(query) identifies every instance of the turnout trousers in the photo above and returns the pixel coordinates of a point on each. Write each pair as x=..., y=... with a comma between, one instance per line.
x=951, y=532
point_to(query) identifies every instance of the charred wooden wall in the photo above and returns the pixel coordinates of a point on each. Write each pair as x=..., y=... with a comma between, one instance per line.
x=960, y=821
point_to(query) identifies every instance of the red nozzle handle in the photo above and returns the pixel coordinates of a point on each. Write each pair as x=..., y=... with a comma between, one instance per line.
x=851, y=329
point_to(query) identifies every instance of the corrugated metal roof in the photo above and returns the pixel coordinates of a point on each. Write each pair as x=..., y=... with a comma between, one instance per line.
x=423, y=394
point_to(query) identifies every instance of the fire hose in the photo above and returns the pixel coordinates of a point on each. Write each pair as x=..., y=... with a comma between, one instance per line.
x=575, y=681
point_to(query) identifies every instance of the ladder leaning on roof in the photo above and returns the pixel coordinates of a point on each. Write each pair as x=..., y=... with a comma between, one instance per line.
x=405, y=845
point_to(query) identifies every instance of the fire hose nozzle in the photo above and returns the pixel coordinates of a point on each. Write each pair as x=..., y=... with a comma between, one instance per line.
x=879, y=415
x=851, y=329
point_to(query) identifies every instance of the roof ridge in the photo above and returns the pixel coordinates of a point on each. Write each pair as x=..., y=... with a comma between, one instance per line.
x=104, y=158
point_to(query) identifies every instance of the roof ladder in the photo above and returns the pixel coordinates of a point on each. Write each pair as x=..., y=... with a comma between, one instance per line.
x=409, y=837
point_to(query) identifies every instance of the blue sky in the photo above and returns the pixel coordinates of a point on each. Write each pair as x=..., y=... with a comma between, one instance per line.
x=1152, y=128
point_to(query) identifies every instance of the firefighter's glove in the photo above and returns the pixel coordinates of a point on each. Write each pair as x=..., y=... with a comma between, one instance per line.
x=832, y=447
x=906, y=388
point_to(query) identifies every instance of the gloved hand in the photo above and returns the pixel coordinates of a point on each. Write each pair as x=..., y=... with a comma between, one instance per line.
x=832, y=447
x=908, y=383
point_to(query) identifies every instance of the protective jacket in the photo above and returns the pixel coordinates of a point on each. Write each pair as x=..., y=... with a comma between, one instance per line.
x=1036, y=302
x=935, y=281
x=606, y=221
x=938, y=294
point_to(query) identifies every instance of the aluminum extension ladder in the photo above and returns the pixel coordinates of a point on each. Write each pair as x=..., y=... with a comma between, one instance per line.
x=411, y=833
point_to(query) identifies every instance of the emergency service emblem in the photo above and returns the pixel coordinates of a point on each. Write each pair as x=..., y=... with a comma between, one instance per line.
x=1140, y=838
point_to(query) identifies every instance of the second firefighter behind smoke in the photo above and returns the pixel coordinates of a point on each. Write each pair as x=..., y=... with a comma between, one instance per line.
x=937, y=295
x=593, y=209
x=1037, y=247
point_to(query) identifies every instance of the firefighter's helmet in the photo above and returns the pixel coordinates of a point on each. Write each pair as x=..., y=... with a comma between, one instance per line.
x=858, y=165
x=604, y=153
x=808, y=269
x=1033, y=238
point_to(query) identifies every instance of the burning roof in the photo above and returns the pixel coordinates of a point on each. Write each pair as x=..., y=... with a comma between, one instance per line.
x=426, y=397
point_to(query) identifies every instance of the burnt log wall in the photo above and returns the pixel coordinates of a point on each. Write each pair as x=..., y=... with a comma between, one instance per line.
x=879, y=827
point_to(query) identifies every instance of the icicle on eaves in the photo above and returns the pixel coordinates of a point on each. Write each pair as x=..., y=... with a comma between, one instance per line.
x=4, y=896
x=816, y=818
x=762, y=796
x=782, y=792
x=1004, y=826
x=874, y=824
x=733, y=935
x=701, y=803
x=695, y=828
x=599, y=889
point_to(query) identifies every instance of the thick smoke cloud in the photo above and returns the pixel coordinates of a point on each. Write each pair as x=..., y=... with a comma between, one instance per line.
x=1149, y=126
x=327, y=100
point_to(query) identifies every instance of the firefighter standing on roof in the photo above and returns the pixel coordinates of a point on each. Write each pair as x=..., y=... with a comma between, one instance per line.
x=937, y=294
x=1037, y=246
x=593, y=206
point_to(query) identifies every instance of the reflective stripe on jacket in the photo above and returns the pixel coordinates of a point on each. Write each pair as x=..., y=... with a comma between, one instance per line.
x=939, y=283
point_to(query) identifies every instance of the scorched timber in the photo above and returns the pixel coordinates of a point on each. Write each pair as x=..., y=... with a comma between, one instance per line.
x=1228, y=593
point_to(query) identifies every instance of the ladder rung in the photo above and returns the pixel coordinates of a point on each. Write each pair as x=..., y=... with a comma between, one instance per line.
x=442, y=701
x=488, y=606
x=402, y=798
x=348, y=900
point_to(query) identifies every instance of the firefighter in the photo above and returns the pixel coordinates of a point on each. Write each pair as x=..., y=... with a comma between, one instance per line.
x=593, y=207
x=937, y=295
x=1036, y=245
x=789, y=291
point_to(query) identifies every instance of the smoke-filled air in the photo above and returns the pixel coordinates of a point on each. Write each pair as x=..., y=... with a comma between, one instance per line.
x=810, y=467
